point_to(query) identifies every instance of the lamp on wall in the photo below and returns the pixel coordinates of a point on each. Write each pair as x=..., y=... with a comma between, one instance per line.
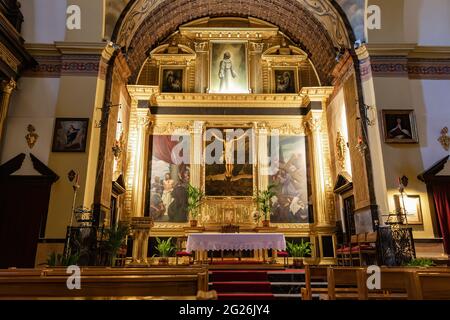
x=106, y=110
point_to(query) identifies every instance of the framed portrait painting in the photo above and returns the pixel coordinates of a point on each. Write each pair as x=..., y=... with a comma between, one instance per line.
x=285, y=81
x=70, y=135
x=229, y=69
x=413, y=207
x=400, y=126
x=172, y=80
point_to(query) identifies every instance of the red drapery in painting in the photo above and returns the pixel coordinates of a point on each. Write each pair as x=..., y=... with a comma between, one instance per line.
x=441, y=192
x=162, y=148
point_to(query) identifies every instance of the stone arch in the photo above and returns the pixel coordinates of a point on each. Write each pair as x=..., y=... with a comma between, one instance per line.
x=317, y=26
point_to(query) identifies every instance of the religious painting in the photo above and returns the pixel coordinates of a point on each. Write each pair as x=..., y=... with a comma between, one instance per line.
x=172, y=80
x=228, y=167
x=285, y=81
x=168, y=178
x=229, y=71
x=291, y=180
x=70, y=135
x=411, y=206
x=400, y=126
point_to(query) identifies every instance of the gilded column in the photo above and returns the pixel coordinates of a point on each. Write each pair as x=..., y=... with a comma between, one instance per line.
x=7, y=89
x=256, y=50
x=262, y=136
x=143, y=121
x=201, y=81
x=197, y=154
x=317, y=128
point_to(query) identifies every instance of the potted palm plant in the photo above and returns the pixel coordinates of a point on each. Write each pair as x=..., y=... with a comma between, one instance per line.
x=116, y=241
x=165, y=249
x=195, y=199
x=264, y=202
x=299, y=251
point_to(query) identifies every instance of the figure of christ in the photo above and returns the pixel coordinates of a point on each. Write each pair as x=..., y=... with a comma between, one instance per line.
x=167, y=193
x=228, y=157
x=226, y=73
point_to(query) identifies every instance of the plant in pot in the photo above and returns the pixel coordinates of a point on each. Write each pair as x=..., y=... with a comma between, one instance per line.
x=165, y=248
x=421, y=263
x=115, y=241
x=264, y=202
x=195, y=199
x=299, y=251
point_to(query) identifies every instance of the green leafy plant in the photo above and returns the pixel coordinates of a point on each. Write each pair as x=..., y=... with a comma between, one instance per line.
x=59, y=260
x=264, y=202
x=299, y=250
x=421, y=262
x=195, y=199
x=164, y=247
x=115, y=240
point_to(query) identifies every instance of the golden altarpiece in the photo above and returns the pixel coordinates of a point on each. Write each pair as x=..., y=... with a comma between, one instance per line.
x=224, y=74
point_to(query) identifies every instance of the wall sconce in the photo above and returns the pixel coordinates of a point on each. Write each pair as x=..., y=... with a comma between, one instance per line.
x=444, y=139
x=106, y=110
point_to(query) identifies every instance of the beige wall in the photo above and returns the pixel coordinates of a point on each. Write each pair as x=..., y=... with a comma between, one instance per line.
x=425, y=22
x=426, y=98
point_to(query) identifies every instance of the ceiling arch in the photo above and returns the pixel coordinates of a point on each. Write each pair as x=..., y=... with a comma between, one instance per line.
x=316, y=25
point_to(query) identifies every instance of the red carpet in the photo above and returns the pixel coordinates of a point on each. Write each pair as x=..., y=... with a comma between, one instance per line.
x=241, y=285
x=244, y=297
x=228, y=276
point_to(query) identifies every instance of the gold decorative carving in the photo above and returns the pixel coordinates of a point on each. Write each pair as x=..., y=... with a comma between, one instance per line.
x=9, y=58
x=32, y=136
x=173, y=128
x=201, y=46
x=444, y=139
x=230, y=100
x=341, y=150
x=9, y=86
x=256, y=47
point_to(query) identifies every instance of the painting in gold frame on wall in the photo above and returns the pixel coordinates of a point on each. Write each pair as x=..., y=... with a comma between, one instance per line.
x=172, y=80
x=229, y=67
x=167, y=180
x=400, y=126
x=228, y=173
x=291, y=180
x=285, y=81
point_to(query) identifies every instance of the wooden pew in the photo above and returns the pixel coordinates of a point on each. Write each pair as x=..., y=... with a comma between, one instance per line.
x=313, y=274
x=345, y=283
x=104, y=282
x=431, y=285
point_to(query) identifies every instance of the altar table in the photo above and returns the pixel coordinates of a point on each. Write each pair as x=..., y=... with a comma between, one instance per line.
x=257, y=242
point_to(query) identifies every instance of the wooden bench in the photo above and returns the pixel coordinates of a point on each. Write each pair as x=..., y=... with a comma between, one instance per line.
x=431, y=285
x=102, y=282
x=314, y=274
x=346, y=283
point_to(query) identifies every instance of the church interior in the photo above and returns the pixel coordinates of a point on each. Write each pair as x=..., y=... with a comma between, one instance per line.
x=225, y=150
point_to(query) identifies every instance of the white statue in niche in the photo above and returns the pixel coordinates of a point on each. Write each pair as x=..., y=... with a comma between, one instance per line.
x=226, y=73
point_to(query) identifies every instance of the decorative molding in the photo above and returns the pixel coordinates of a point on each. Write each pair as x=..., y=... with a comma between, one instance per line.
x=408, y=60
x=444, y=139
x=68, y=58
x=32, y=136
x=341, y=150
x=8, y=86
x=9, y=58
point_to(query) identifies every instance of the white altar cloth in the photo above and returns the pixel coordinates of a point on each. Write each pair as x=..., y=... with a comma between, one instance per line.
x=235, y=241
